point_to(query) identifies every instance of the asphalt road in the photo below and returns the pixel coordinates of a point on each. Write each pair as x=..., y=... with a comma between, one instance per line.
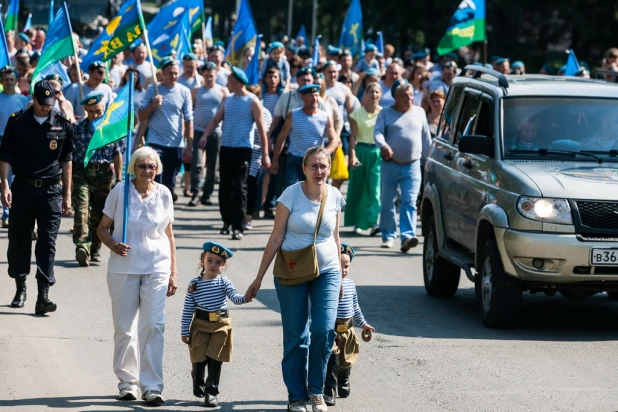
x=428, y=355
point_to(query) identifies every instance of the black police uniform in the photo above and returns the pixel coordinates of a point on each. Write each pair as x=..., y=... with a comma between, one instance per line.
x=35, y=151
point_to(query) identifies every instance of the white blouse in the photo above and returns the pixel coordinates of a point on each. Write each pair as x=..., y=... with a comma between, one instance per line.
x=148, y=218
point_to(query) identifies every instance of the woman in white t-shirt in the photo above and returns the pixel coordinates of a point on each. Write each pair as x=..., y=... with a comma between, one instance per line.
x=305, y=359
x=140, y=274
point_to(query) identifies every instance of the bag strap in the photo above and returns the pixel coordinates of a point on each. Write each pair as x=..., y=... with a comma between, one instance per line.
x=320, y=213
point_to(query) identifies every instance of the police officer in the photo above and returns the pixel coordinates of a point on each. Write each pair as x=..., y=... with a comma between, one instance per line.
x=38, y=143
x=91, y=183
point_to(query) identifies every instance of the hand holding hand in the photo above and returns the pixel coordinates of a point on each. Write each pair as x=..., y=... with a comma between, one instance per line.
x=253, y=290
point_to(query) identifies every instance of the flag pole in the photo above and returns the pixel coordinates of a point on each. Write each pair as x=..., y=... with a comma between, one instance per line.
x=127, y=158
x=79, y=72
x=485, y=52
x=153, y=68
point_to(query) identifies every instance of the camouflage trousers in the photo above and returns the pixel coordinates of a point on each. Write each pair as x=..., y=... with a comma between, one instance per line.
x=90, y=189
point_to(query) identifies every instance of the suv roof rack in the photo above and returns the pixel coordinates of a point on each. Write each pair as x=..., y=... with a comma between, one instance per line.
x=502, y=81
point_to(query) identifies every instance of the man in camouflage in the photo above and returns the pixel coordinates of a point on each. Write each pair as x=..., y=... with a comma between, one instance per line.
x=92, y=183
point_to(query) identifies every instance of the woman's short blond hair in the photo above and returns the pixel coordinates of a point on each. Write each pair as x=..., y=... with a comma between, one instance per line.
x=142, y=154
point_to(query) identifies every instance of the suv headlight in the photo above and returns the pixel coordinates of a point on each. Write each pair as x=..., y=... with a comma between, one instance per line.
x=545, y=210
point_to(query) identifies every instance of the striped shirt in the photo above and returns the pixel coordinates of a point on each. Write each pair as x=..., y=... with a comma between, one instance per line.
x=270, y=102
x=348, y=305
x=238, y=122
x=165, y=121
x=307, y=131
x=72, y=94
x=83, y=131
x=362, y=65
x=210, y=295
x=190, y=82
x=207, y=104
x=9, y=104
x=406, y=133
x=256, y=154
x=387, y=98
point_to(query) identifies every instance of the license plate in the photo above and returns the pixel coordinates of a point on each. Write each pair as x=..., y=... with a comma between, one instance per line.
x=604, y=257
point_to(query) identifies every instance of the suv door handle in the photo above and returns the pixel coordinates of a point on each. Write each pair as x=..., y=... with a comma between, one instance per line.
x=448, y=156
x=468, y=164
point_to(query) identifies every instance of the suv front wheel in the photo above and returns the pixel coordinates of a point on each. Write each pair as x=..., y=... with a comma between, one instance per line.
x=441, y=276
x=499, y=295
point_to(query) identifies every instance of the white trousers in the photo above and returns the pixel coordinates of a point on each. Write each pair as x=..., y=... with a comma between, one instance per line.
x=138, y=311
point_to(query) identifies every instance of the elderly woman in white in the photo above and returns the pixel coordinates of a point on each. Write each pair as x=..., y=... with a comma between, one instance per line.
x=140, y=274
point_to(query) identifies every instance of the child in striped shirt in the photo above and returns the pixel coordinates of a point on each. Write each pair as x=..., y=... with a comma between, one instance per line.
x=347, y=347
x=206, y=323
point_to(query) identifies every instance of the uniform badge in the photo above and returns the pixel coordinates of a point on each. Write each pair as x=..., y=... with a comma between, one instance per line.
x=47, y=93
x=215, y=249
x=225, y=255
x=53, y=144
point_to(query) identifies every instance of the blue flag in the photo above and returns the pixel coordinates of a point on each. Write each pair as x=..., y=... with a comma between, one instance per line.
x=5, y=60
x=51, y=11
x=302, y=32
x=315, y=60
x=572, y=65
x=174, y=39
x=12, y=16
x=54, y=68
x=380, y=43
x=169, y=15
x=208, y=29
x=253, y=69
x=28, y=25
x=352, y=30
x=243, y=36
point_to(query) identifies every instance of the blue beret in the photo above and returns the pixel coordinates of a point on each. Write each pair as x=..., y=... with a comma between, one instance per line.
x=370, y=47
x=218, y=249
x=275, y=45
x=24, y=37
x=395, y=85
x=518, y=64
x=168, y=61
x=55, y=77
x=421, y=54
x=502, y=60
x=309, y=88
x=372, y=71
x=190, y=56
x=348, y=250
x=292, y=48
x=96, y=65
x=329, y=63
x=489, y=66
x=219, y=43
x=584, y=64
x=452, y=56
x=240, y=75
x=304, y=71
x=91, y=99
x=494, y=58
x=333, y=51
x=303, y=51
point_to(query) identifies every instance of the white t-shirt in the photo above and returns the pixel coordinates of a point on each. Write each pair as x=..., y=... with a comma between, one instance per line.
x=302, y=221
x=148, y=218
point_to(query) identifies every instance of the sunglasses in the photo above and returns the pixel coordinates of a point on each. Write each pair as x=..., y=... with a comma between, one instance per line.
x=57, y=92
x=147, y=167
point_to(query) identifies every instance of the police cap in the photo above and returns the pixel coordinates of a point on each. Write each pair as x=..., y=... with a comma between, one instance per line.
x=44, y=93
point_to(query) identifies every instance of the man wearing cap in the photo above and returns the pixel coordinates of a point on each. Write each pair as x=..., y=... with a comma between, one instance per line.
x=306, y=127
x=275, y=58
x=518, y=67
x=240, y=111
x=38, y=145
x=94, y=84
x=10, y=102
x=503, y=65
x=165, y=113
x=143, y=66
x=91, y=183
x=333, y=53
x=190, y=78
x=403, y=136
x=215, y=55
x=423, y=56
x=368, y=60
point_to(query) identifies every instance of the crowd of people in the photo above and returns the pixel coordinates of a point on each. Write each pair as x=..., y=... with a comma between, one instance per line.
x=271, y=147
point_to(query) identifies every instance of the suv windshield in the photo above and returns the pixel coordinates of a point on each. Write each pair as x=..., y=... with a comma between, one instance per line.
x=557, y=127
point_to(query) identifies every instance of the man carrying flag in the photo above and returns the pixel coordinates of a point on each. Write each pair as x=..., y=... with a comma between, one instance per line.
x=92, y=182
x=39, y=146
x=94, y=84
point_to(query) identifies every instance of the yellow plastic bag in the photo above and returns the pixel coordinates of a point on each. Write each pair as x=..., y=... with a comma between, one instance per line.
x=339, y=170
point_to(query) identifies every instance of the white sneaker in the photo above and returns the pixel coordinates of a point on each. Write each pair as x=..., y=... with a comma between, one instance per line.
x=153, y=397
x=297, y=406
x=388, y=244
x=318, y=404
x=127, y=394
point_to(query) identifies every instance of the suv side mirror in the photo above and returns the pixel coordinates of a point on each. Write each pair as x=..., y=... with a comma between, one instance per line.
x=473, y=144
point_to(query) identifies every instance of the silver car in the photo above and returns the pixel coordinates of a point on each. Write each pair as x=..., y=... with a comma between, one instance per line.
x=521, y=190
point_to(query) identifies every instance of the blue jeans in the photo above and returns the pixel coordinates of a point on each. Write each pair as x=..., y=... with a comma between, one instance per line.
x=294, y=170
x=408, y=178
x=304, y=360
x=5, y=210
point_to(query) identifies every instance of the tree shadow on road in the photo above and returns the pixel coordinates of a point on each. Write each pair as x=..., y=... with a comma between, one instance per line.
x=109, y=403
x=409, y=311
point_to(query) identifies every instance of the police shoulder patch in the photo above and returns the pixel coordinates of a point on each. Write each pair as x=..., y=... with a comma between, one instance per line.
x=16, y=115
x=63, y=116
